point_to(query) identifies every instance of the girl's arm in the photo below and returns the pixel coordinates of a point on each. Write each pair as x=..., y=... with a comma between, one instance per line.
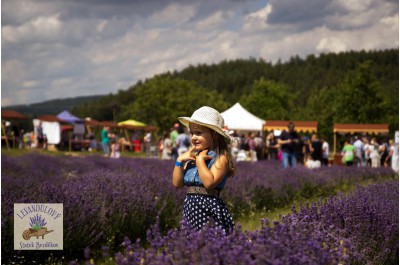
x=178, y=173
x=211, y=177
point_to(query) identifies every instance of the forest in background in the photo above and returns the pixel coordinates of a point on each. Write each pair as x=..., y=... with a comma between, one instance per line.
x=347, y=87
x=52, y=107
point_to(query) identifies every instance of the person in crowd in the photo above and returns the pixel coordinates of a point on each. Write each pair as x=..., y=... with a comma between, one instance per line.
x=306, y=149
x=395, y=156
x=45, y=142
x=272, y=146
x=167, y=147
x=250, y=147
x=105, y=140
x=93, y=142
x=242, y=141
x=316, y=148
x=325, y=152
x=161, y=146
x=348, y=153
x=288, y=144
x=359, y=147
x=205, y=168
x=299, y=151
x=383, y=151
x=235, y=145
x=368, y=148
x=173, y=135
x=308, y=160
x=388, y=159
x=17, y=132
x=115, y=146
x=39, y=136
x=375, y=157
x=147, y=139
x=259, y=145
x=182, y=141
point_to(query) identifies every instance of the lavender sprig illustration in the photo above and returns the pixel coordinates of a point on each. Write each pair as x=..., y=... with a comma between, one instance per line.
x=37, y=222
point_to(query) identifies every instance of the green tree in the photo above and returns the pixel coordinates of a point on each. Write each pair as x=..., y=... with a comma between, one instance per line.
x=163, y=98
x=357, y=97
x=321, y=107
x=269, y=100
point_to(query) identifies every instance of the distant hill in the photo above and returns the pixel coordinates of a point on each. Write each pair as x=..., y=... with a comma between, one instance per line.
x=52, y=107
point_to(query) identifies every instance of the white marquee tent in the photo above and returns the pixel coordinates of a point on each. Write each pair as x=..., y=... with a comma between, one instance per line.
x=238, y=118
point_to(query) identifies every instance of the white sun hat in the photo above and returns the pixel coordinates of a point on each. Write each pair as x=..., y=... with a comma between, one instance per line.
x=208, y=117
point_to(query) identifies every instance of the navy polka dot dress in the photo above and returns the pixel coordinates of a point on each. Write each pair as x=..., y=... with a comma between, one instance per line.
x=200, y=210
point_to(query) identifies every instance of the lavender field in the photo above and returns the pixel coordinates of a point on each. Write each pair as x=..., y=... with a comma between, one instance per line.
x=107, y=200
x=361, y=228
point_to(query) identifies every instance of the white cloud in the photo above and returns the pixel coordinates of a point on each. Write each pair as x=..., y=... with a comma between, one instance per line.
x=257, y=20
x=331, y=44
x=66, y=50
x=391, y=21
x=215, y=20
x=173, y=14
x=355, y=5
x=39, y=28
x=29, y=83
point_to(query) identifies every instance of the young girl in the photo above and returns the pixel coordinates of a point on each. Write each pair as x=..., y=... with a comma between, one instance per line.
x=204, y=168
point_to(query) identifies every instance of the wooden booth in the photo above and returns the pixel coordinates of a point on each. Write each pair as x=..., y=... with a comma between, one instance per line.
x=9, y=115
x=341, y=128
x=346, y=128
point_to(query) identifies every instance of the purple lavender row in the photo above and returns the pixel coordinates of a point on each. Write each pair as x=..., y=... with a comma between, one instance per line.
x=104, y=199
x=361, y=228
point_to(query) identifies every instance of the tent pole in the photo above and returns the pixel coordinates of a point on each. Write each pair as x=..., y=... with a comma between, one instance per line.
x=334, y=143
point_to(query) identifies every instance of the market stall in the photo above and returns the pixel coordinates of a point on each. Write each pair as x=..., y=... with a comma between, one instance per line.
x=133, y=125
x=50, y=127
x=9, y=115
x=342, y=128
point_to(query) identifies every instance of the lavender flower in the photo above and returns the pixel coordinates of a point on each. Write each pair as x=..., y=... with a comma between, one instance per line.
x=37, y=222
x=106, y=200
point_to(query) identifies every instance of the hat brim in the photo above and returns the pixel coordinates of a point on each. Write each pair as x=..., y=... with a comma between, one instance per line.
x=186, y=120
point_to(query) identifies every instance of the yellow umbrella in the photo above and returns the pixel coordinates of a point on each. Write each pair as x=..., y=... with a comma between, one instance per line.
x=132, y=123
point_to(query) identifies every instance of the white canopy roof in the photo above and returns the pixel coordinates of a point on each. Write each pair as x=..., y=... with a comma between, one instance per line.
x=238, y=118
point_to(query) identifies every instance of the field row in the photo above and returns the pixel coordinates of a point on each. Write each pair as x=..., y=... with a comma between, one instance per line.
x=105, y=200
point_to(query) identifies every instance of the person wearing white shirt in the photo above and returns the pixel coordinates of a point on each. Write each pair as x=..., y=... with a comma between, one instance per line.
x=325, y=152
x=359, y=146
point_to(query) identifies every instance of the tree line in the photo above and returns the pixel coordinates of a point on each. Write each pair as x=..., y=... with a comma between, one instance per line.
x=348, y=87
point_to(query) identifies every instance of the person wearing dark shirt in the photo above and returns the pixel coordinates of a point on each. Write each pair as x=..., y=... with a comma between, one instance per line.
x=316, y=148
x=288, y=143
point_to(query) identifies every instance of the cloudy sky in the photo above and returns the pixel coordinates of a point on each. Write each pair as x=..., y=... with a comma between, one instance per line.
x=66, y=48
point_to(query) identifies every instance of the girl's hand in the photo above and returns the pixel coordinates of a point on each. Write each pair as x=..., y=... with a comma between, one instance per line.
x=203, y=154
x=188, y=155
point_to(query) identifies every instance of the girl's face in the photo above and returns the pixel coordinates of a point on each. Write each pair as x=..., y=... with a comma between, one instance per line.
x=200, y=136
